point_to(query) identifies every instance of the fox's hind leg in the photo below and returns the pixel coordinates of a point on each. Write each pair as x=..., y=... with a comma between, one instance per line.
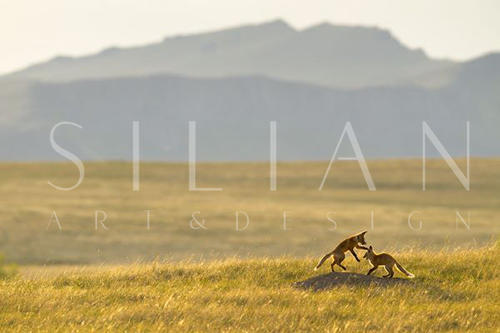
x=338, y=260
x=336, y=263
x=372, y=270
x=390, y=271
x=343, y=267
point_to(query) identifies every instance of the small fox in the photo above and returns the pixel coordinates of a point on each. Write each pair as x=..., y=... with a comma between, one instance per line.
x=346, y=245
x=386, y=260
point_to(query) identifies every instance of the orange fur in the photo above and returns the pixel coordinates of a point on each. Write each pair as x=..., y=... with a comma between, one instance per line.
x=386, y=260
x=338, y=253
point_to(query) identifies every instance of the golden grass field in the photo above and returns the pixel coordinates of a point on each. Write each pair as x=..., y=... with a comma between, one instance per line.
x=28, y=204
x=452, y=292
x=174, y=278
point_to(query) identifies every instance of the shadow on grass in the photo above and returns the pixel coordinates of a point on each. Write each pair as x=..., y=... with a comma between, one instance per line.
x=334, y=279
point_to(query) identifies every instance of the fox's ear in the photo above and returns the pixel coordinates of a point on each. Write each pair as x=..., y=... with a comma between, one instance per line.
x=371, y=247
x=364, y=232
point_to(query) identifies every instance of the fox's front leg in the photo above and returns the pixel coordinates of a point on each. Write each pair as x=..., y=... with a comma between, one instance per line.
x=361, y=247
x=354, y=254
x=371, y=270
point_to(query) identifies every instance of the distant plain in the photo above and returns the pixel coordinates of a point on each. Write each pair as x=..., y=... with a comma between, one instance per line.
x=30, y=234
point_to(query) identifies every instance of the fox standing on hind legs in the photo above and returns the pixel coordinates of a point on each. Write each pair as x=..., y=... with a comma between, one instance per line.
x=386, y=260
x=347, y=245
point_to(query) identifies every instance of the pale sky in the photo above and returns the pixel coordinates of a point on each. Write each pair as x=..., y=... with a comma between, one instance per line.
x=32, y=31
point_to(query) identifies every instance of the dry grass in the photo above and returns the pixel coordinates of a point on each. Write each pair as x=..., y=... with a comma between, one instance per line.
x=453, y=291
x=181, y=279
x=28, y=203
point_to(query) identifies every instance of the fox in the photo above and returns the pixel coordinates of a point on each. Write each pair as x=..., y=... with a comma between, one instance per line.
x=386, y=260
x=346, y=245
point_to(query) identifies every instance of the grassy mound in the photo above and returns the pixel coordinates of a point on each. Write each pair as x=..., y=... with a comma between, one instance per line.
x=336, y=279
x=454, y=291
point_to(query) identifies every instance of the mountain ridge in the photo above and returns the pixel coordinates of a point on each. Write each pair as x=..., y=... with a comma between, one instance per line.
x=233, y=115
x=383, y=92
x=331, y=55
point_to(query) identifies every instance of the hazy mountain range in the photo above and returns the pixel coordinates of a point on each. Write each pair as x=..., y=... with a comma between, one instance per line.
x=234, y=81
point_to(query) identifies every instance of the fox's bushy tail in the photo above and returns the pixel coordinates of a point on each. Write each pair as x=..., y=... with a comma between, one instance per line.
x=328, y=255
x=404, y=271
